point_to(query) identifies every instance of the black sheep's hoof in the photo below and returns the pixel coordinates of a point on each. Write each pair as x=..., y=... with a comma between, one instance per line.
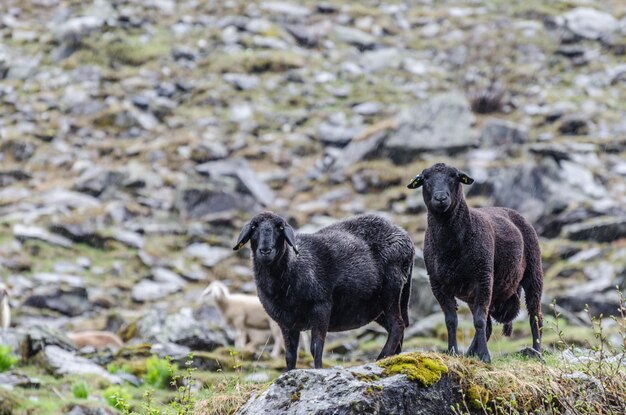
x=482, y=355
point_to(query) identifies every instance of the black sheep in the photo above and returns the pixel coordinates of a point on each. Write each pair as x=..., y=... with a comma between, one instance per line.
x=482, y=256
x=338, y=278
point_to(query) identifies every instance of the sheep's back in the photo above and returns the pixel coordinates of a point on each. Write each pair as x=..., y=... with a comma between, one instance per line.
x=388, y=243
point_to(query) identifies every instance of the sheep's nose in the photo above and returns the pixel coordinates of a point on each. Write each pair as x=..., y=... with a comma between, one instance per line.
x=265, y=251
x=440, y=197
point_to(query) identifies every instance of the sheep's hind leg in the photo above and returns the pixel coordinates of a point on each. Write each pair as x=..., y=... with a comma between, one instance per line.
x=394, y=324
x=532, y=289
x=320, y=316
x=382, y=321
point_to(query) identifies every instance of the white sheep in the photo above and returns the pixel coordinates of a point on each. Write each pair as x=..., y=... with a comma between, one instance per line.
x=246, y=314
x=5, y=309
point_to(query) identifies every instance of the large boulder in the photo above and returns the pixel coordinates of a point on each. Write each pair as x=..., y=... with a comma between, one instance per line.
x=182, y=328
x=442, y=123
x=425, y=389
x=589, y=23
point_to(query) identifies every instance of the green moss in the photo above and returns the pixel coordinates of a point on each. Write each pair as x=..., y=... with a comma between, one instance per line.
x=424, y=369
x=477, y=396
x=7, y=402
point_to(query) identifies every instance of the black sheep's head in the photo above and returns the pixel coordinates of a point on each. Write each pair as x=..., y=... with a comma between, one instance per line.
x=268, y=233
x=442, y=187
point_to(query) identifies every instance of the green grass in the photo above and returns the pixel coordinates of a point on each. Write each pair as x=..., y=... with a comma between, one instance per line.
x=7, y=358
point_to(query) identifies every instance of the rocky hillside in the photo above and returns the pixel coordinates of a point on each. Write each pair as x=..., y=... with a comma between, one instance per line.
x=137, y=137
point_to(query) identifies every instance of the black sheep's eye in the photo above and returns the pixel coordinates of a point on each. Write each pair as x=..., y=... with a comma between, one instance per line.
x=281, y=227
x=253, y=227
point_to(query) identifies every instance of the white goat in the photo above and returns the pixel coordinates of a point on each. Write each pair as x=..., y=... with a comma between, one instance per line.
x=97, y=339
x=5, y=309
x=246, y=314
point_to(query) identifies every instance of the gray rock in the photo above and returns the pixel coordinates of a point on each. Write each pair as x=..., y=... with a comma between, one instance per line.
x=243, y=82
x=69, y=199
x=248, y=178
x=336, y=135
x=12, y=380
x=148, y=290
x=355, y=390
x=80, y=233
x=182, y=328
x=367, y=108
x=95, y=181
x=71, y=302
x=73, y=30
x=589, y=23
x=284, y=7
x=38, y=337
x=574, y=124
x=78, y=409
x=444, y=122
x=498, y=132
x=128, y=238
x=209, y=255
x=23, y=233
x=62, y=362
x=356, y=37
x=202, y=201
x=602, y=229
x=13, y=338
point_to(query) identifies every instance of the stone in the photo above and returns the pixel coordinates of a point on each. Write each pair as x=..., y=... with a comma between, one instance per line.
x=497, y=132
x=589, y=23
x=23, y=233
x=247, y=177
x=79, y=233
x=574, y=124
x=62, y=362
x=209, y=255
x=243, y=82
x=355, y=37
x=38, y=337
x=128, y=238
x=286, y=8
x=79, y=409
x=95, y=181
x=355, y=390
x=181, y=328
x=602, y=229
x=71, y=302
x=444, y=122
x=148, y=290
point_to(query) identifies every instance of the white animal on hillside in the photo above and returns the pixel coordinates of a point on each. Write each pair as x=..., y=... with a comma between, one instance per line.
x=246, y=315
x=5, y=309
x=96, y=339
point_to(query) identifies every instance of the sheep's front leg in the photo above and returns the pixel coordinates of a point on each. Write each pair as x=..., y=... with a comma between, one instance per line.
x=320, y=318
x=291, y=339
x=480, y=312
x=448, y=306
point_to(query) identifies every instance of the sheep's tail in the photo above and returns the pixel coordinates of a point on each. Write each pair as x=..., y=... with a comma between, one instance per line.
x=406, y=294
x=507, y=329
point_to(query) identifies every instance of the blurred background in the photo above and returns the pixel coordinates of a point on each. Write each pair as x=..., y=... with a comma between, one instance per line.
x=137, y=137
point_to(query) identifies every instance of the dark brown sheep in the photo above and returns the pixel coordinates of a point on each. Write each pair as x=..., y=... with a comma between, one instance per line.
x=481, y=256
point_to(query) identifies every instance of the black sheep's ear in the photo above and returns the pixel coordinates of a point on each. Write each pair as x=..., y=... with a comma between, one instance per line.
x=290, y=237
x=416, y=182
x=244, y=236
x=464, y=178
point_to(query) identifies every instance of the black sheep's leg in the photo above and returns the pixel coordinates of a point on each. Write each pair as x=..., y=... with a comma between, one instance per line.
x=532, y=290
x=448, y=306
x=394, y=324
x=383, y=322
x=320, y=318
x=291, y=338
x=489, y=327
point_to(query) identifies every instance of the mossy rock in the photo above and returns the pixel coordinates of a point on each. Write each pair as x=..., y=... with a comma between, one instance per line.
x=424, y=369
x=274, y=61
